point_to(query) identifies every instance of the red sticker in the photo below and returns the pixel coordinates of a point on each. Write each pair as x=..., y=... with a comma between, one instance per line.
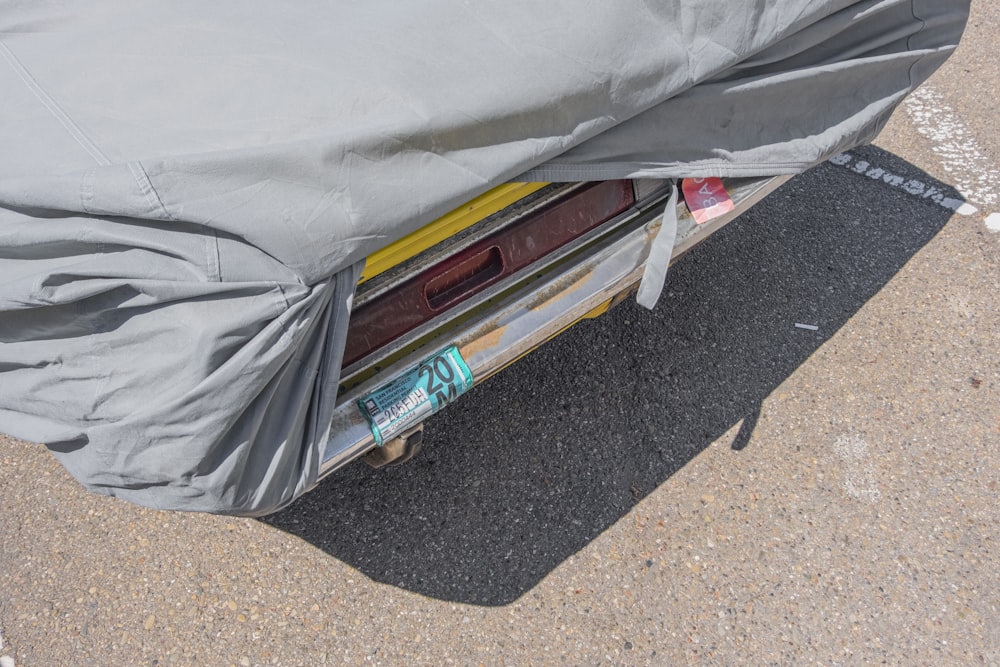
x=706, y=198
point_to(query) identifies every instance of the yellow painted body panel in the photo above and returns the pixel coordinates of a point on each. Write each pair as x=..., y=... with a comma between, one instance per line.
x=600, y=310
x=479, y=208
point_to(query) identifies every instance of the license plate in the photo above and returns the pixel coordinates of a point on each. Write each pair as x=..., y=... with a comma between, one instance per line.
x=418, y=393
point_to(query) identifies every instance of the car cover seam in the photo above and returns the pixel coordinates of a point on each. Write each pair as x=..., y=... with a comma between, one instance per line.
x=213, y=257
x=923, y=25
x=146, y=188
x=53, y=107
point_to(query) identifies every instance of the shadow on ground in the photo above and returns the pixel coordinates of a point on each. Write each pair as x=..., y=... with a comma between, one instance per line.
x=531, y=466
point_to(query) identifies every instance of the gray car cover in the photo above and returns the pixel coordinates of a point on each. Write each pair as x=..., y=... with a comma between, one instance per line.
x=188, y=189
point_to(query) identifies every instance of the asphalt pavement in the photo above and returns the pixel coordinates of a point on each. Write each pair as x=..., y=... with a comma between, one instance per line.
x=710, y=482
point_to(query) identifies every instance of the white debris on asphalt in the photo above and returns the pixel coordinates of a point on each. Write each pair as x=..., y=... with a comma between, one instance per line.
x=993, y=222
x=6, y=661
x=809, y=327
x=860, y=482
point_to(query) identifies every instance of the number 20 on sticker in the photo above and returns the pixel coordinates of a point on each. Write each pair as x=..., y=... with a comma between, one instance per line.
x=440, y=376
x=416, y=394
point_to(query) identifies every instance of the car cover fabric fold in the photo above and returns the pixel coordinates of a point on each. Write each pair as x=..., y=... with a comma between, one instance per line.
x=188, y=190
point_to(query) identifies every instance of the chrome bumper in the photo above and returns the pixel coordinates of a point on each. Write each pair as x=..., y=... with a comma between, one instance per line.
x=499, y=335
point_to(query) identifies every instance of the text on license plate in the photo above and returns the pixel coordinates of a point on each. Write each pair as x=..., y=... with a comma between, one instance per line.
x=416, y=394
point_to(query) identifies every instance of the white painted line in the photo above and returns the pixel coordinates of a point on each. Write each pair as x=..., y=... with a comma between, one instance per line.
x=810, y=327
x=910, y=186
x=976, y=177
x=993, y=222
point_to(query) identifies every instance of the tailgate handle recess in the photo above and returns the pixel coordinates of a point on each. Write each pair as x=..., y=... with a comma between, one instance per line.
x=464, y=279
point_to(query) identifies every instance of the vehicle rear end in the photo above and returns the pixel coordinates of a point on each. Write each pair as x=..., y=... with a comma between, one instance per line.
x=457, y=301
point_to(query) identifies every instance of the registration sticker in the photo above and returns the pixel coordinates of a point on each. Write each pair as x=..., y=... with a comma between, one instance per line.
x=418, y=393
x=706, y=198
